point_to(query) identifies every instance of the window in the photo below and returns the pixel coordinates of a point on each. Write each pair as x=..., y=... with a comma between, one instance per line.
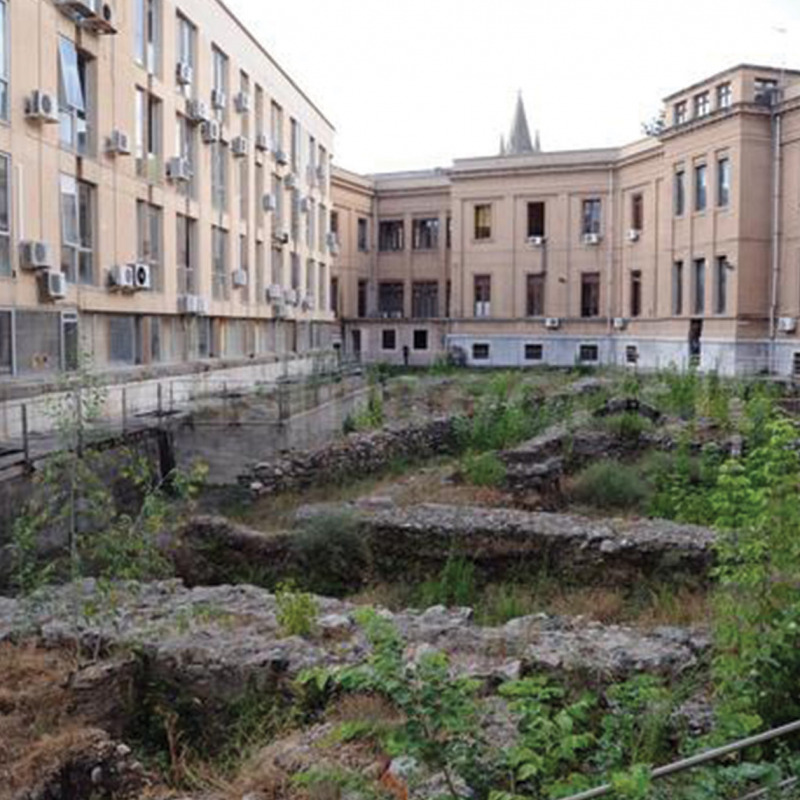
x=631, y=354
x=277, y=193
x=590, y=218
x=260, y=279
x=122, y=340
x=294, y=144
x=724, y=95
x=74, y=97
x=796, y=363
x=425, y=233
x=276, y=270
x=77, y=230
x=219, y=176
x=219, y=72
x=637, y=211
x=699, y=299
x=765, y=90
x=323, y=166
x=335, y=223
x=482, y=287
x=311, y=222
x=323, y=226
x=534, y=352
x=480, y=352
x=588, y=353
x=148, y=136
x=6, y=350
x=700, y=187
x=590, y=294
x=483, y=221
x=390, y=299
x=294, y=267
x=219, y=263
x=679, y=193
x=535, y=295
x=677, y=288
x=244, y=266
x=186, y=47
x=259, y=111
x=361, y=310
x=723, y=182
x=363, y=235
x=536, y=219
x=147, y=34
x=244, y=188
x=636, y=293
x=420, y=340
x=388, y=339
x=449, y=233
x=721, y=285
x=258, y=194
x=186, y=251
x=5, y=215
x=679, y=113
x=295, y=222
x=335, y=296
x=702, y=104
x=186, y=148
x=276, y=125
x=3, y=60
x=148, y=239
x=391, y=235
x=424, y=299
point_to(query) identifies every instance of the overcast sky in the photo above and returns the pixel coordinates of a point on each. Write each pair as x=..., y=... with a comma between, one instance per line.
x=411, y=84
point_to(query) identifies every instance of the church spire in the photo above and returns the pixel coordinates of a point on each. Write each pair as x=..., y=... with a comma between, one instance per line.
x=519, y=137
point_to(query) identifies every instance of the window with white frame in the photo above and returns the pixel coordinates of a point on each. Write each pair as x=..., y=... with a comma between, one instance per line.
x=186, y=46
x=186, y=251
x=276, y=125
x=148, y=239
x=147, y=34
x=148, y=136
x=219, y=74
x=5, y=214
x=74, y=97
x=702, y=104
x=186, y=148
x=724, y=95
x=77, y=229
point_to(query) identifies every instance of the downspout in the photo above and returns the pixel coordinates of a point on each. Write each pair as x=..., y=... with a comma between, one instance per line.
x=776, y=230
x=610, y=256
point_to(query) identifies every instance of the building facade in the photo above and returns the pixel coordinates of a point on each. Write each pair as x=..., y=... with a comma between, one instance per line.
x=164, y=190
x=680, y=248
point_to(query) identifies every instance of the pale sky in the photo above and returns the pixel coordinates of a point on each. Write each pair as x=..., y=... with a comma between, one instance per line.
x=412, y=84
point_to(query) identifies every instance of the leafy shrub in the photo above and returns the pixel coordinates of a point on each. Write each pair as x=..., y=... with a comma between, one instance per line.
x=370, y=416
x=455, y=585
x=332, y=554
x=628, y=427
x=297, y=611
x=611, y=485
x=483, y=469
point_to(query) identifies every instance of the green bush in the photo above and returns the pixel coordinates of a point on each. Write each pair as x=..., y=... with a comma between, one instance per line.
x=332, y=555
x=629, y=426
x=483, y=469
x=369, y=417
x=455, y=585
x=611, y=485
x=297, y=611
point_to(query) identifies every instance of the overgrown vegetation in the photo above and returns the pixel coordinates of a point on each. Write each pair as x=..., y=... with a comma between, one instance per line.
x=611, y=485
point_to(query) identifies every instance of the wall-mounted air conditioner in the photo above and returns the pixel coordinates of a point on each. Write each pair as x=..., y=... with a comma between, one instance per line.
x=592, y=238
x=80, y=9
x=274, y=292
x=262, y=142
x=321, y=175
x=290, y=295
x=634, y=234
x=280, y=157
x=55, y=285
x=280, y=237
x=239, y=146
x=41, y=107
x=305, y=205
x=290, y=181
x=121, y=278
x=35, y=255
x=241, y=102
x=787, y=324
x=210, y=131
x=202, y=306
x=184, y=73
x=332, y=241
x=239, y=278
x=142, y=276
x=188, y=304
x=268, y=203
x=536, y=241
x=308, y=302
x=218, y=99
x=118, y=144
x=552, y=323
x=179, y=170
x=103, y=21
x=620, y=323
x=197, y=110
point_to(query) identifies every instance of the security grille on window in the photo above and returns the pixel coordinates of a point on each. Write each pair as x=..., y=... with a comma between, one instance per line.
x=426, y=234
x=588, y=353
x=590, y=294
x=77, y=230
x=480, y=351
x=148, y=226
x=483, y=221
x=535, y=295
x=391, y=235
x=482, y=285
x=37, y=341
x=5, y=215
x=186, y=244
x=536, y=219
x=590, y=217
x=388, y=339
x=424, y=299
x=420, y=340
x=74, y=93
x=219, y=261
x=534, y=352
x=390, y=298
x=122, y=347
x=363, y=235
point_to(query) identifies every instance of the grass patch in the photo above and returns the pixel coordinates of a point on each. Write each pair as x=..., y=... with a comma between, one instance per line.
x=483, y=469
x=611, y=485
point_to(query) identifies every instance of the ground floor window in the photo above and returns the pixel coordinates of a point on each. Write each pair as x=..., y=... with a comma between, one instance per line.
x=421, y=340
x=480, y=352
x=631, y=354
x=534, y=352
x=6, y=344
x=588, y=353
x=389, y=339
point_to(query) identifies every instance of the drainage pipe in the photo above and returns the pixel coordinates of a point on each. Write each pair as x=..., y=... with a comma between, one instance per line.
x=776, y=230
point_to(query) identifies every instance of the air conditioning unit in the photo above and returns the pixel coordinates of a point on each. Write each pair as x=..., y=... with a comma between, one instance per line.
x=332, y=240
x=290, y=295
x=305, y=205
x=121, y=278
x=35, y=255
x=80, y=9
x=275, y=292
x=281, y=237
x=308, y=302
x=202, y=306
x=196, y=110
x=118, y=144
x=321, y=175
x=620, y=323
x=210, y=131
x=184, y=73
x=179, y=170
x=239, y=278
x=281, y=157
x=552, y=323
x=41, y=107
x=239, y=146
x=269, y=203
x=242, y=102
x=592, y=238
x=218, y=99
x=102, y=21
x=55, y=285
x=142, y=276
x=536, y=241
x=787, y=324
x=290, y=181
x=279, y=310
x=223, y=134
x=262, y=142
x=188, y=304
x=634, y=234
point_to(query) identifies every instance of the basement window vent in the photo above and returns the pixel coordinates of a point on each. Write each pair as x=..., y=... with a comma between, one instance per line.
x=534, y=352
x=480, y=352
x=588, y=354
x=631, y=354
x=796, y=364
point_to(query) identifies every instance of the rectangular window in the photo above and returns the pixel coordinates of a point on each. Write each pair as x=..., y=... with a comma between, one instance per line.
x=3, y=60
x=535, y=295
x=311, y=224
x=679, y=113
x=590, y=216
x=219, y=75
x=5, y=215
x=148, y=136
x=148, y=238
x=637, y=211
x=590, y=294
x=482, y=288
x=483, y=221
x=723, y=182
x=536, y=219
x=294, y=268
x=244, y=266
x=276, y=270
x=677, y=288
x=721, y=285
x=425, y=233
x=361, y=310
x=75, y=95
x=765, y=90
x=122, y=336
x=186, y=251
x=295, y=222
x=702, y=104
x=219, y=176
x=391, y=235
x=259, y=111
x=480, y=352
x=276, y=125
x=449, y=233
x=724, y=95
x=186, y=147
x=6, y=350
x=388, y=339
x=636, y=293
x=77, y=230
x=700, y=187
x=424, y=299
x=390, y=299
x=294, y=144
x=219, y=263
x=588, y=353
x=335, y=296
x=679, y=193
x=186, y=50
x=699, y=298
x=147, y=34
x=420, y=340
x=631, y=354
x=363, y=235
x=244, y=188
x=534, y=352
x=277, y=215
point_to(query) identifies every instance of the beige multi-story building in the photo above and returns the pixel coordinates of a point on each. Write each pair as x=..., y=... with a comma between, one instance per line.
x=164, y=189
x=682, y=247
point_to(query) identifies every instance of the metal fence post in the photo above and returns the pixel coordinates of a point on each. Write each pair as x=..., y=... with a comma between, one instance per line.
x=25, y=442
